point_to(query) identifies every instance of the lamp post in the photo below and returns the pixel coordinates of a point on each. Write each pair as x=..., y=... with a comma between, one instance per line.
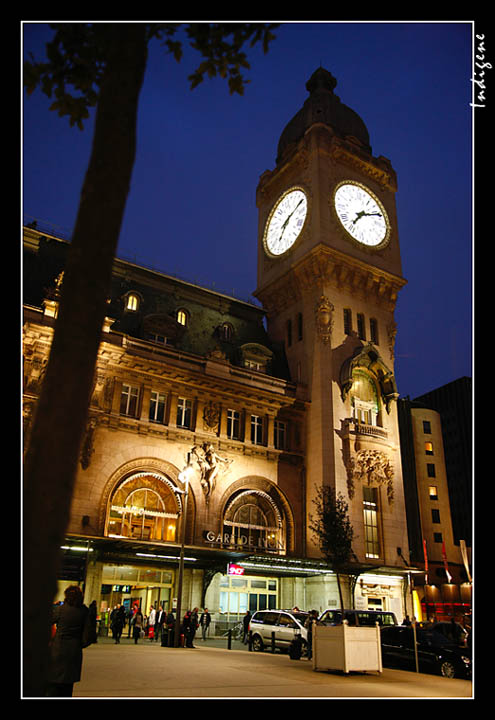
x=183, y=477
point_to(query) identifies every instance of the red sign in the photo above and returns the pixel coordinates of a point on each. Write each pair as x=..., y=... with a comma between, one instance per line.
x=235, y=569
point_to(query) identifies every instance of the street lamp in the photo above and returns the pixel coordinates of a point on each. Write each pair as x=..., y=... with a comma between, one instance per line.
x=184, y=478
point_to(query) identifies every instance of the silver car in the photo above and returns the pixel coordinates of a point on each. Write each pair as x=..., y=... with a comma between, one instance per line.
x=280, y=625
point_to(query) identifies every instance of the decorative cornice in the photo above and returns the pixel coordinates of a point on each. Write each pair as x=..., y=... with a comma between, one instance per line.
x=329, y=267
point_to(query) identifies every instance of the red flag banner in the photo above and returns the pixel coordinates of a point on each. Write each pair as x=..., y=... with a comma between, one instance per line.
x=426, y=560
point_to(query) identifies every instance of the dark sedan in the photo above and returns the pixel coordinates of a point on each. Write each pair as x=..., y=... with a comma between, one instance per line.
x=436, y=654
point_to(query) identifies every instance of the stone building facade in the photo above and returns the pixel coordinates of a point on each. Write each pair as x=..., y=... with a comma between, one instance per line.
x=261, y=405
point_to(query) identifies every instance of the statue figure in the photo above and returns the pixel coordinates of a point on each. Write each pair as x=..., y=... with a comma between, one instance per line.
x=210, y=464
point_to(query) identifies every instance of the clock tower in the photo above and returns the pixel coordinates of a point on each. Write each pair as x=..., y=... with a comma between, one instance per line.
x=329, y=273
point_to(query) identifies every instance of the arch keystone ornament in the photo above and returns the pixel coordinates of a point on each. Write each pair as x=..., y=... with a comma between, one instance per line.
x=324, y=319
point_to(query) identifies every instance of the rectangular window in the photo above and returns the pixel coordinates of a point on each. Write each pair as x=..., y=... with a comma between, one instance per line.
x=361, y=327
x=374, y=331
x=129, y=400
x=429, y=448
x=426, y=427
x=233, y=424
x=430, y=469
x=256, y=430
x=347, y=321
x=433, y=492
x=184, y=407
x=435, y=515
x=158, y=402
x=280, y=435
x=370, y=511
x=437, y=537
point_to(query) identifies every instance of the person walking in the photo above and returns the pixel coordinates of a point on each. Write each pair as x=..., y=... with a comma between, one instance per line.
x=151, y=623
x=137, y=625
x=205, y=621
x=66, y=646
x=117, y=622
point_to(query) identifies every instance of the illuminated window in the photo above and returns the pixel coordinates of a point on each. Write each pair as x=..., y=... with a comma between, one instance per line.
x=129, y=400
x=364, y=399
x=182, y=317
x=256, y=430
x=433, y=492
x=233, y=424
x=157, y=407
x=226, y=332
x=132, y=302
x=184, y=407
x=143, y=508
x=370, y=512
x=429, y=448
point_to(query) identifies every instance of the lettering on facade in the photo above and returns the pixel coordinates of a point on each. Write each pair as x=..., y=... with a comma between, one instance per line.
x=244, y=541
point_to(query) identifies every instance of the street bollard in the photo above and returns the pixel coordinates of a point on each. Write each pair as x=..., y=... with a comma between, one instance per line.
x=229, y=640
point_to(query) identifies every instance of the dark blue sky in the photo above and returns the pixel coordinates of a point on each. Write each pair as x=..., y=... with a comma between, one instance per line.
x=191, y=210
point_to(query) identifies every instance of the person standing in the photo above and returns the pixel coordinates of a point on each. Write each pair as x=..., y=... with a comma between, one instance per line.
x=194, y=624
x=66, y=647
x=245, y=627
x=137, y=625
x=159, y=620
x=312, y=618
x=205, y=621
x=151, y=623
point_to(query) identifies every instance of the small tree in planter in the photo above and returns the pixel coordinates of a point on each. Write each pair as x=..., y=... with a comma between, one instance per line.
x=333, y=530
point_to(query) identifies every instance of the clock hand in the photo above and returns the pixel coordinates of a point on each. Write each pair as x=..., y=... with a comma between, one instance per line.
x=289, y=217
x=362, y=213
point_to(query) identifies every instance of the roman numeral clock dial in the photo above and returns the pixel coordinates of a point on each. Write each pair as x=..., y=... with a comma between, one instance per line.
x=362, y=215
x=285, y=222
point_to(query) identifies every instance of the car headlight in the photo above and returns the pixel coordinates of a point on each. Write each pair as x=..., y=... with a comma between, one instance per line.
x=466, y=660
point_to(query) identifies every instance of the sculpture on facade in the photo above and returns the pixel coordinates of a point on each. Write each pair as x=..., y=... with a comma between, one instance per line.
x=211, y=465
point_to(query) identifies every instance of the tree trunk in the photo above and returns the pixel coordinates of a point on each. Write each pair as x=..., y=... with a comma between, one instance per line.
x=59, y=424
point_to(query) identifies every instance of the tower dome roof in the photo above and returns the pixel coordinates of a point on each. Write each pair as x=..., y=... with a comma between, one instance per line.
x=323, y=106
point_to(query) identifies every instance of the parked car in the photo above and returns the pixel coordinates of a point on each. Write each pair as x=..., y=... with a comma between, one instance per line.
x=451, y=630
x=358, y=617
x=286, y=624
x=436, y=654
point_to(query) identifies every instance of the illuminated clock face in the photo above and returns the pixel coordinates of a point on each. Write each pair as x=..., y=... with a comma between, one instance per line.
x=285, y=222
x=362, y=215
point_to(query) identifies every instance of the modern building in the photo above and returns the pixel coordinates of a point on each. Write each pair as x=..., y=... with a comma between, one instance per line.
x=214, y=421
x=431, y=444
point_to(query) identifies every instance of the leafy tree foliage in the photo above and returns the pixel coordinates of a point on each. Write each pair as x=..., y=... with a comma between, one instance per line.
x=333, y=530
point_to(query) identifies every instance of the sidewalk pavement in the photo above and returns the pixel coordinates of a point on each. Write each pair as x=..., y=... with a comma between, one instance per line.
x=210, y=671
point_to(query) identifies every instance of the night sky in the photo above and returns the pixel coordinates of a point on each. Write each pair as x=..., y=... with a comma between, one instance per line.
x=192, y=211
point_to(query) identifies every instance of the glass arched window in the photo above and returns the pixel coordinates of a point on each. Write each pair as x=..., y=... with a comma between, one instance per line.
x=143, y=508
x=182, y=317
x=132, y=302
x=253, y=521
x=364, y=399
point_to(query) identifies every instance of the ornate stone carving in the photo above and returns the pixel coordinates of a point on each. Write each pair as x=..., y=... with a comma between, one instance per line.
x=211, y=466
x=211, y=417
x=373, y=468
x=324, y=319
x=87, y=448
